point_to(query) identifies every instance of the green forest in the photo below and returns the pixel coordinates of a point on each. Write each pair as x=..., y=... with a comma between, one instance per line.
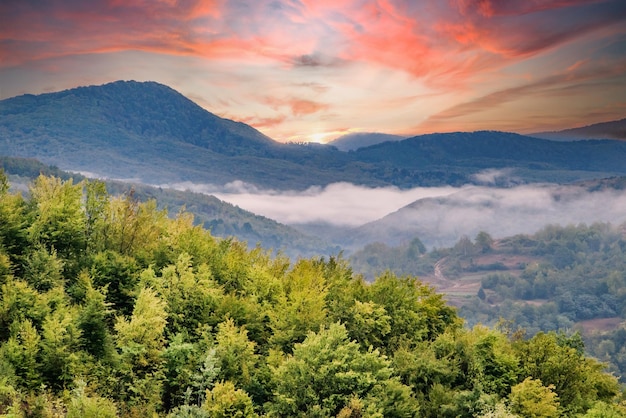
x=559, y=278
x=112, y=307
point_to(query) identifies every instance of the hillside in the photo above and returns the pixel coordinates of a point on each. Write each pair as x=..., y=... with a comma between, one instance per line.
x=152, y=134
x=605, y=130
x=492, y=149
x=562, y=277
x=108, y=308
x=221, y=218
x=144, y=131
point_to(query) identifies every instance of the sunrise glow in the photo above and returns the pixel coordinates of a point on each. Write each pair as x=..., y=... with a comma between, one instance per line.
x=309, y=69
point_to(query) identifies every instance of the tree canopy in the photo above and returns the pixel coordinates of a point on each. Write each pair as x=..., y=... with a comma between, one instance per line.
x=109, y=307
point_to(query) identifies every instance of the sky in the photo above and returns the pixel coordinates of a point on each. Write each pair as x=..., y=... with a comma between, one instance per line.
x=312, y=70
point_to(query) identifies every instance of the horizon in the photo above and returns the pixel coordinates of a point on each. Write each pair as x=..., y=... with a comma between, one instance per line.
x=314, y=71
x=328, y=141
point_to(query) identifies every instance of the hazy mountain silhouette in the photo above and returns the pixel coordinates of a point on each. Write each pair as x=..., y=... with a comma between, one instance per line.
x=353, y=141
x=605, y=130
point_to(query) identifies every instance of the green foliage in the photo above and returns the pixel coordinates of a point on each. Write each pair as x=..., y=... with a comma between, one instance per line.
x=368, y=323
x=59, y=348
x=235, y=352
x=192, y=296
x=226, y=401
x=13, y=221
x=578, y=381
x=96, y=207
x=22, y=351
x=189, y=411
x=125, y=312
x=500, y=410
x=43, y=269
x=133, y=227
x=326, y=371
x=118, y=276
x=533, y=400
x=92, y=321
x=417, y=313
x=484, y=241
x=57, y=217
x=84, y=406
x=485, y=358
x=408, y=258
x=20, y=302
x=606, y=410
x=4, y=183
x=301, y=307
x=141, y=337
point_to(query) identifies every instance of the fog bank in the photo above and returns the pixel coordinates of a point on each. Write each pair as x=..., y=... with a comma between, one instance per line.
x=438, y=216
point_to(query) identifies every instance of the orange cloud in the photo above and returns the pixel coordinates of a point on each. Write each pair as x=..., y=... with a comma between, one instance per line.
x=301, y=107
x=475, y=51
x=298, y=106
x=260, y=123
x=566, y=83
x=444, y=45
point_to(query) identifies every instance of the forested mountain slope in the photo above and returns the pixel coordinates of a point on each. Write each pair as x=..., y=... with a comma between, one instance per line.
x=608, y=130
x=221, y=218
x=493, y=149
x=149, y=132
x=110, y=308
x=146, y=131
x=562, y=277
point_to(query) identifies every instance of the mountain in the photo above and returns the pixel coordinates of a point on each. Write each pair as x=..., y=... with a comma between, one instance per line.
x=605, y=130
x=447, y=158
x=145, y=131
x=353, y=141
x=150, y=133
x=484, y=149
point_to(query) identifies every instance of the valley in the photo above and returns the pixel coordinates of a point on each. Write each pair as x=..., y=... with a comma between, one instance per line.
x=544, y=216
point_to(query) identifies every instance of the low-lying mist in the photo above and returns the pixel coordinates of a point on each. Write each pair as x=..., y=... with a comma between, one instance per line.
x=441, y=221
x=342, y=204
x=438, y=216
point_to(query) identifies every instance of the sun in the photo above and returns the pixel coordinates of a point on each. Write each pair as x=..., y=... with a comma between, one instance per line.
x=326, y=137
x=319, y=138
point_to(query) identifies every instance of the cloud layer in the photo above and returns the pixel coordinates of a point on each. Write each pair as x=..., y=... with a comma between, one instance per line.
x=301, y=68
x=340, y=203
x=441, y=221
x=439, y=216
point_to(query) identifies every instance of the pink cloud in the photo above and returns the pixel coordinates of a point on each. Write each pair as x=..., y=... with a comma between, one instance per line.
x=573, y=81
x=259, y=122
x=444, y=45
x=466, y=50
x=298, y=106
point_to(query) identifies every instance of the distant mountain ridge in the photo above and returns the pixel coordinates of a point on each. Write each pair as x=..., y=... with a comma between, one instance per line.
x=356, y=140
x=493, y=148
x=605, y=130
x=144, y=131
x=150, y=133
